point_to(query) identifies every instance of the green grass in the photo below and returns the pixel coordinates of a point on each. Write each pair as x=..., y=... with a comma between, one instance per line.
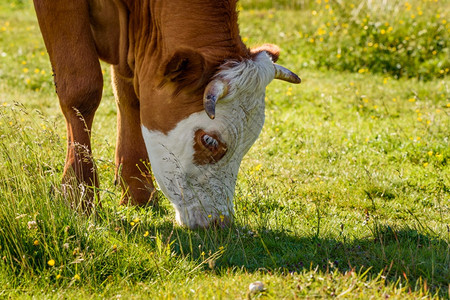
x=345, y=193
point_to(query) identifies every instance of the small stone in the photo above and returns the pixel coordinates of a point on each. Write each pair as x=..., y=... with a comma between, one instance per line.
x=256, y=286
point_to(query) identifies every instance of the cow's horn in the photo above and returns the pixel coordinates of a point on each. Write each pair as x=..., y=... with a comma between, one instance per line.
x=284, y=74
x=215, y=90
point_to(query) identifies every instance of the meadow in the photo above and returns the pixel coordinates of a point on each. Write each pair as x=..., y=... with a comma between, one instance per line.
x=346, y=193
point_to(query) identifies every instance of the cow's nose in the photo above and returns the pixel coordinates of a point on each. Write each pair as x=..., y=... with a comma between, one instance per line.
x=221, y=221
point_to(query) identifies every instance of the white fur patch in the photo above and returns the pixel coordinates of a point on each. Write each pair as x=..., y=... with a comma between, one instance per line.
x=201, y=193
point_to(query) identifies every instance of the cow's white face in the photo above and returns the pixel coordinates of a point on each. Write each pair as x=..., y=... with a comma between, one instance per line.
x=197, y=162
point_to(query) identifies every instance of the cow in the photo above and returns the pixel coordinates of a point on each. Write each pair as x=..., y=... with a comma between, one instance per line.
x=189, y=95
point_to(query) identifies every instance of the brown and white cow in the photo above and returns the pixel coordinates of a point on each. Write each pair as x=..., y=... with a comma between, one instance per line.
x=189, y=93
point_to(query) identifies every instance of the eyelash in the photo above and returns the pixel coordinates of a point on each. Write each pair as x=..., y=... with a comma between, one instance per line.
x=210, y=141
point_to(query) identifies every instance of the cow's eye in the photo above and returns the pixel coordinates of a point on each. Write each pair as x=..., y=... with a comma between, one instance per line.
x=208, y=147
x=209, y=141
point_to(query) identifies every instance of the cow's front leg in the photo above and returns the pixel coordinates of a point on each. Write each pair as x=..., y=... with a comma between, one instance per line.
x=67, y=35
x=133, y=167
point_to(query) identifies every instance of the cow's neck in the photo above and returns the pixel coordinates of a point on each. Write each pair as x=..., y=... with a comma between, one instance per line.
x=210, y=26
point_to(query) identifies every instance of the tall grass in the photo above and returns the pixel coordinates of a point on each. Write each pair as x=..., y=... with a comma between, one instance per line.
x=395, y=38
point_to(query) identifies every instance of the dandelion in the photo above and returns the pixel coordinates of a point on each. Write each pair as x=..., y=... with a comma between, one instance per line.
x=36, y=242
x=132, y=223
x=257, y=167
x=25, y=70
x=58, y=276
x=289, y=91
x=425, y=164
x=411, y=99
x=76, y=277
x=146, y=234
x=51, y=262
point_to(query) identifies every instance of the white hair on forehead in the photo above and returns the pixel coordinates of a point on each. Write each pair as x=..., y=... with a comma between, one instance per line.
x=249, y=75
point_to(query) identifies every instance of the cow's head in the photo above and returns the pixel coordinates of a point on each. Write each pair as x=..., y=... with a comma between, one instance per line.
x=196, y=163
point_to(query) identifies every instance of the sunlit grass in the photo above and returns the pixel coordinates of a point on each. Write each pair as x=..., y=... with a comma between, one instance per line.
x=345, y=193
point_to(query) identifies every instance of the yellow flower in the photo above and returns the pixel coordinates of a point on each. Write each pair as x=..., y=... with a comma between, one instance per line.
x=411, y=99
x=58, y=276
x=132, y=223
x=25, y=70
x=51, y=262
x=76, y=277
x=146, y=234
x=425, y=164
x=221, y=248
x=36, y=242
x=136, y=220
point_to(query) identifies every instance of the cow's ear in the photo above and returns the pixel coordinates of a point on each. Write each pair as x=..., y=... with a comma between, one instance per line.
x=271, y=49
x=185, y=68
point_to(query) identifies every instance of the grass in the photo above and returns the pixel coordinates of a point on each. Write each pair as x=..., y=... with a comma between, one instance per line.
x=345, y=193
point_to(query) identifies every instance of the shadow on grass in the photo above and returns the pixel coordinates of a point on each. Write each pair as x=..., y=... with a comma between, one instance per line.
x=395, y=252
